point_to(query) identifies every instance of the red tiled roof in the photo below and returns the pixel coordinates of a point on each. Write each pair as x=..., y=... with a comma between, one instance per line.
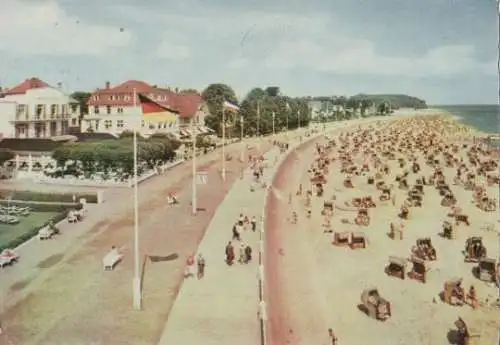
x=28, y=84
x=185, y=103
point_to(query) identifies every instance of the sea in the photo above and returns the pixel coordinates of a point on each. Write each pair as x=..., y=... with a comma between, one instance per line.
x=484, y=118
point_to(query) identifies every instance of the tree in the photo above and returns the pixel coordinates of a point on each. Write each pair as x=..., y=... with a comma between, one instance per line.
x=189, y=91
x=214, y=96
x=5, y=156
x=272, y=91
x=82, y=98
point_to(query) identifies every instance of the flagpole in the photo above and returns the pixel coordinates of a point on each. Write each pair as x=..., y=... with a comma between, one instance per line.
x=223, y=144
x=298, y=116
x=274, y=132
x=136, y=283
x=193, y=187
x=241, y=136
x=258, y=118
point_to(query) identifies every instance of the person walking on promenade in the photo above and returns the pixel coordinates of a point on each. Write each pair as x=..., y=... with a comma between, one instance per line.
x=241, y=259
x=248, y=254
x=253, y=223
x=332, y=337
x=229, y=253
x=189, y=266
x=201, y=266
x=236, y=233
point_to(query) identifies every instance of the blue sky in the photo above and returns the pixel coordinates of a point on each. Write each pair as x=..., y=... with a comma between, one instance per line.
x=444, y=51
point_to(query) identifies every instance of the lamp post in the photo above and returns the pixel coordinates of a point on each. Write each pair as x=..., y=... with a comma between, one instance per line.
x=136, y=282
x=223, y=144
x=193, y=182
x=242, y=154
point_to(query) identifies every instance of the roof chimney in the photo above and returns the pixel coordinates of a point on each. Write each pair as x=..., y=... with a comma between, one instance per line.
x=107, y=85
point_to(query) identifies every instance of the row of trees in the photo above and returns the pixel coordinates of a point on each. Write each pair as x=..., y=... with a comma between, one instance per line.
x=256, y=110
x=108, y=156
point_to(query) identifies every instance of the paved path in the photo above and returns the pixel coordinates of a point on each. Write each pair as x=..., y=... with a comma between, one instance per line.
x=223, y=306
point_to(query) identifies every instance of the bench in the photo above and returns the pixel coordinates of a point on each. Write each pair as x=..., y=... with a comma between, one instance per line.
x=111, y=259
x=46, y=233
x=8, y=257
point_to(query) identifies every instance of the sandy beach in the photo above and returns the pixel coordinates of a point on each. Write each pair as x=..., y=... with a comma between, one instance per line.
x=313, y=285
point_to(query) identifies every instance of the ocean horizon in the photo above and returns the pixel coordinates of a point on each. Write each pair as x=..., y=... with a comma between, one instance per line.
x=483, y=117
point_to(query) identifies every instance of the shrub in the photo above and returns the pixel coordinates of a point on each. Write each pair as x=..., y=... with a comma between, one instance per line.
x=47, y=197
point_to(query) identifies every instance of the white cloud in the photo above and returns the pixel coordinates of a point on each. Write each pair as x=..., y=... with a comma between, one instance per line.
x=343, y=55
x=43, y=28
x=173, y=51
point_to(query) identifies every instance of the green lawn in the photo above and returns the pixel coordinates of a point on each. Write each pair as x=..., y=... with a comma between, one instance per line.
x=26, y=224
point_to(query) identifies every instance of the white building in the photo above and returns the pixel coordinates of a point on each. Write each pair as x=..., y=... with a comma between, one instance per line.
x=34, y=109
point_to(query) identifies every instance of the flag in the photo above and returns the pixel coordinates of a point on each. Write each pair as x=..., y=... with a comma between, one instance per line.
x=231, y=106
x=153, y=112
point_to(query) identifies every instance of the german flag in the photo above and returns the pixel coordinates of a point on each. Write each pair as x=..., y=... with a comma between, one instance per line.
x=153, y=112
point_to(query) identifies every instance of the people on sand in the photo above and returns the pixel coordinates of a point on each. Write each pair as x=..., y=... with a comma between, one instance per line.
x=229, y=253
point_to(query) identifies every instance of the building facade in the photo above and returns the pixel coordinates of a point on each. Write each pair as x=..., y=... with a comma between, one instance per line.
x=34, y=109
x=117, y=109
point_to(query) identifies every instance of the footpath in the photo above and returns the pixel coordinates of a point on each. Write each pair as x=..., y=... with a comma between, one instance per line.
x=223, y=307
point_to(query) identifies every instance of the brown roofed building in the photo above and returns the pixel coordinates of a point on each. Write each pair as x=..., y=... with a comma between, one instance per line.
x=114, y=109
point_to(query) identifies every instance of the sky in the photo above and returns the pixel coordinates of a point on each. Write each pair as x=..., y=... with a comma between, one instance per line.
x=444, y=51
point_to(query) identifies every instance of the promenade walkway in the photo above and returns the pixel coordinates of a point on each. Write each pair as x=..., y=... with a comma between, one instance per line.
x=222, y=307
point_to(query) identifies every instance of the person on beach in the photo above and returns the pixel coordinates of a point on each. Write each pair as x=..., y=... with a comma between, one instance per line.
x=229, y=253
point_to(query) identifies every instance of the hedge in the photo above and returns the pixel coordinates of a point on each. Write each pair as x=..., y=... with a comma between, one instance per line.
x=41, y=206
x=38, y=207
x=26, y=195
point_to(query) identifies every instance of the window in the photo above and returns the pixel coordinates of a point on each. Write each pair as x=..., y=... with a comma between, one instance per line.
x=119, y=123
x=108, y=124
x=96, y=98
x=73, y=122
x=64, y=109
x=53, y=109
x=126, y=98
x=112, y=97
x=39, y=110
x=21, y=109
x=96, y=110
x=143, y=124
x=108, y=109
x=119, y=110
x=97, y=125
x=74, y=108
x=151, y=126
